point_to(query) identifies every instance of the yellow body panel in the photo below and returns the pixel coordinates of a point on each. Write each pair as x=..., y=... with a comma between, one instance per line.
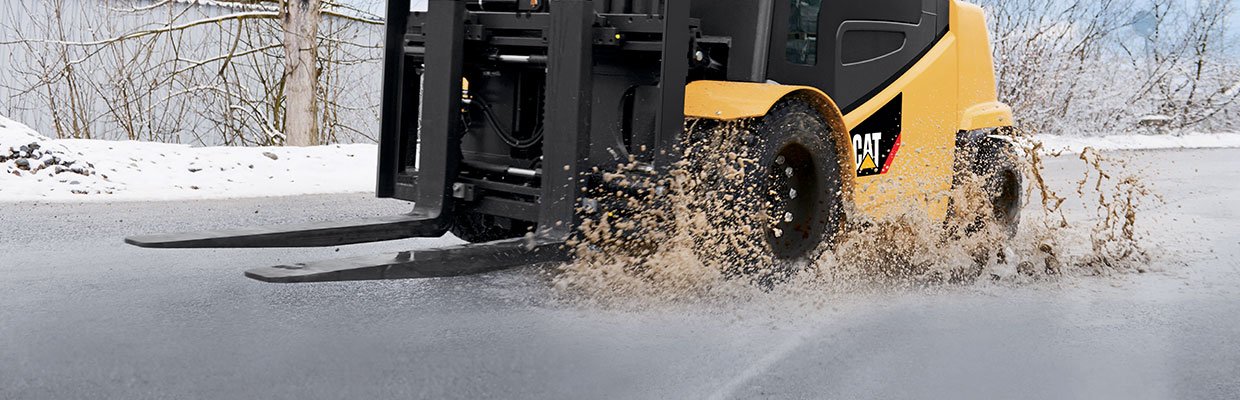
x=921, y=174
x=979, y=104
x=723, y=100
x=727, y=101
x=950, y=89
x=985, y=115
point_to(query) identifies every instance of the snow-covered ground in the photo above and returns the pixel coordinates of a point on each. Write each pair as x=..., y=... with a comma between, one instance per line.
x=36, y=168
x=1141, y=142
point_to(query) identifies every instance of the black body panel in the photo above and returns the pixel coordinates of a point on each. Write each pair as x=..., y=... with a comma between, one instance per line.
x=861, y=46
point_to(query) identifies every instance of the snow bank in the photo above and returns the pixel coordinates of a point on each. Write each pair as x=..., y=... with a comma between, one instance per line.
x=1053, y=143
x=96, y=170
x=36, y=168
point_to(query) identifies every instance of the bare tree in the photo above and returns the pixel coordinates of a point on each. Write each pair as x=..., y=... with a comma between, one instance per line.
x=1184, y=58
x=300, y=20
x=1102, y=66
x=1043, y=48
x=253, y=68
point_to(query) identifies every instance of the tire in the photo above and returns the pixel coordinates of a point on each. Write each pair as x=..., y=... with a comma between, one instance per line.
x=995, y=161
x=792, y=150
x=476, y=228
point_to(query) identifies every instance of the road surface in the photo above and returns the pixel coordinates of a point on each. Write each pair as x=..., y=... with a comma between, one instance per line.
x=83, y=316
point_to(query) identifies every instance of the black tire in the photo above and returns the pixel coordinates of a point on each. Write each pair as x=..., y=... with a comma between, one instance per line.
x=475, y=228
x=793, y=150
x=995, y=161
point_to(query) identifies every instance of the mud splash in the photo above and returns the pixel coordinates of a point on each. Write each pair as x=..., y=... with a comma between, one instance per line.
x=681, y=240
x=689, y=238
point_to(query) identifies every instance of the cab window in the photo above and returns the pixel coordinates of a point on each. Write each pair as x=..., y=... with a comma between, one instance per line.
x=802, y=45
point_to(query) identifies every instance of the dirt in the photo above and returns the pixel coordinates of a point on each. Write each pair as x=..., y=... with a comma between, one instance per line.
x=690, y=238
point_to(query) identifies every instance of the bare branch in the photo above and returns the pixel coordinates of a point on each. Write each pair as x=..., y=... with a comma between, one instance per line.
x=164, y=29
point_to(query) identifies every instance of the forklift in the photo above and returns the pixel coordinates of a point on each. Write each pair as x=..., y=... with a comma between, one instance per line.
x=500, y=118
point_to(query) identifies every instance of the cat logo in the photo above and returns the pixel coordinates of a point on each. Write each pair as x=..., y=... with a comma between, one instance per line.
x=878, y=140
x=875, y=152
x=867, y=150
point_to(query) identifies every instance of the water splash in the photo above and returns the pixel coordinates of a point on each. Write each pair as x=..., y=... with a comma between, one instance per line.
x=689, y=238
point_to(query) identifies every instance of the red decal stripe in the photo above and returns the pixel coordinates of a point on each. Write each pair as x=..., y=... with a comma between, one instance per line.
x=891, y=157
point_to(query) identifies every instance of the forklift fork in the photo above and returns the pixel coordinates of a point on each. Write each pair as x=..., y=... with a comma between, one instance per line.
x=441, y=159
x=434, y=121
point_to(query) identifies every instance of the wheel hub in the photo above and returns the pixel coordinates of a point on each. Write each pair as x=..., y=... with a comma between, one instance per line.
x=793, y=201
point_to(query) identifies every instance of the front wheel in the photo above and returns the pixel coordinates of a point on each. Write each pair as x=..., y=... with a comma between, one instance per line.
x=788, y=193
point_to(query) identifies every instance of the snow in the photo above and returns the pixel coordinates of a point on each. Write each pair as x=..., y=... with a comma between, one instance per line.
x=1156, y=118
x=228, y=4
x=1233, y=91
x=365, y=9
x=1054, y=143
x=61, y=170
x=143, y=171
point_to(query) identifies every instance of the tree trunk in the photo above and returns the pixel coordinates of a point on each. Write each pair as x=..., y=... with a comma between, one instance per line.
x=300, y=20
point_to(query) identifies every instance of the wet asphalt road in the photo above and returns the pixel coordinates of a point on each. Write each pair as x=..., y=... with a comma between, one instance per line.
x=82, y=316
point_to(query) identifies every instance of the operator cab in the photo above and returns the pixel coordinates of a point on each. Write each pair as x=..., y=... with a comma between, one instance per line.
x=848, y=49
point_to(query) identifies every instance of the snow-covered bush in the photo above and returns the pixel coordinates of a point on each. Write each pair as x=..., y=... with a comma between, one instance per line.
x=1091, y=67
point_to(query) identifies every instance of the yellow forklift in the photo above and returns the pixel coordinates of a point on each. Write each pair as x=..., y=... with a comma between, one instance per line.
x=500, y=118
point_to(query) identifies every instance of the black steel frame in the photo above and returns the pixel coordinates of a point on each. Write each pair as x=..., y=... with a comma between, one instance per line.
x=592, y=62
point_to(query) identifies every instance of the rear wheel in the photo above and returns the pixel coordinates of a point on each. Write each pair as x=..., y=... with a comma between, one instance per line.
x=994, y=162
x=792, y=191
